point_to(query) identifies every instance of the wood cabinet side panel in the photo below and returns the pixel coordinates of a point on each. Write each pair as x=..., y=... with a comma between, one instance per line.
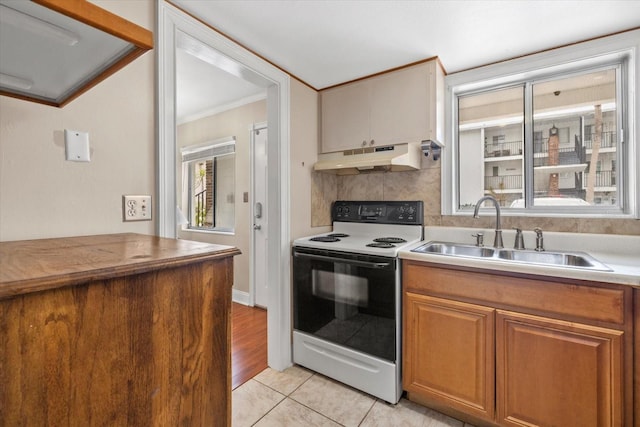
x=636, y=358
x=607, y=304
x=146, y=349
x=552, y=372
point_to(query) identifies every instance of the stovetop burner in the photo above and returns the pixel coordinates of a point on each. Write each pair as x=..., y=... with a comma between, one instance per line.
x=377, y=228
x=389, y=240
x=325, y=239
x=383, y=245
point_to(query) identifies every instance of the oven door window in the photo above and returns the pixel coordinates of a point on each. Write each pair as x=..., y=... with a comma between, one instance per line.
x=347, y=299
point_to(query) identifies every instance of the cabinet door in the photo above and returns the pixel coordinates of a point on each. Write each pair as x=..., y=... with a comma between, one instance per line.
x=400, y=106
x=556, y=373
x=345, y=117
x=449, y=353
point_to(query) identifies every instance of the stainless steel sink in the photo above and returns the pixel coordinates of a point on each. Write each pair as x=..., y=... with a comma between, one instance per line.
x=564, y=259
x=556, y=258
x=454, y=249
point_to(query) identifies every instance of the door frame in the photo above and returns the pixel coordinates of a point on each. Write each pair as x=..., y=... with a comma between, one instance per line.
x=252, y=201
x=170, y=20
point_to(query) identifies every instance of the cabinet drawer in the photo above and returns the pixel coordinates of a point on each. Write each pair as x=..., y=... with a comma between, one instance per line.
x=605, y=303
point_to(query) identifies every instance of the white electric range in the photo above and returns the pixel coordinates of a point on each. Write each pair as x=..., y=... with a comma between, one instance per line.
x=347, y=294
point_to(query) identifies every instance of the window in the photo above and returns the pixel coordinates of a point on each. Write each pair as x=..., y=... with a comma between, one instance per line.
x=547, y=140
x=209, y=173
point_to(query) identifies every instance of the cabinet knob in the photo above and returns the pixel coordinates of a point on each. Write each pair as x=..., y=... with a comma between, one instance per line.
x=364, y=143
x=372, y=142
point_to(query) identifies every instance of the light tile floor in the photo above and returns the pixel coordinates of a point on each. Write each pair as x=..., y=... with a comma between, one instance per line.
x=299, y=397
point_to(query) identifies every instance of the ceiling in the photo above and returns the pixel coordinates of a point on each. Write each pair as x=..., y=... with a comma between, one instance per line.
x=328, y=42
x=203, y=89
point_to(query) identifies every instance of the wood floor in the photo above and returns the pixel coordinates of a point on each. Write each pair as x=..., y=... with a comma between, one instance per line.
x=248, y=343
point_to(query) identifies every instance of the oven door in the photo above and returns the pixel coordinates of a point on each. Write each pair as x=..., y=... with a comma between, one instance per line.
x=347, y=299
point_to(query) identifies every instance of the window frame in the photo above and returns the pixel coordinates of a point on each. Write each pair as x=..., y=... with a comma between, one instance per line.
x=190, y=155
x=557, y=63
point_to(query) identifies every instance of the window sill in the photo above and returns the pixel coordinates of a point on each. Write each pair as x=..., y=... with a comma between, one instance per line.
x=202, y=231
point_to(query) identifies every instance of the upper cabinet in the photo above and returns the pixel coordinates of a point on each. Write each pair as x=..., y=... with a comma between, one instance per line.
x=51, y=51
x=392, y=108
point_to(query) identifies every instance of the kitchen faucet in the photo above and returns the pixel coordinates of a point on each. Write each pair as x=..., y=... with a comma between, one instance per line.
x=497, y=241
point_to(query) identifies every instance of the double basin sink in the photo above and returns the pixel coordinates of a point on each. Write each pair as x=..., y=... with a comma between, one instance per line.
x=552, y=258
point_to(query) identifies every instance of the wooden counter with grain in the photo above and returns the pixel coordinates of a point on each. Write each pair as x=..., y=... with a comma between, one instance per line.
x=115, y=330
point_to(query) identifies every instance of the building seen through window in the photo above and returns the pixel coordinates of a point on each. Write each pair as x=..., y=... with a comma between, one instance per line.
x=564, y=154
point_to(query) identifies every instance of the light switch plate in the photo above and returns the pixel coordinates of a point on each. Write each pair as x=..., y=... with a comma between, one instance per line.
x=136, y=208
x=76, y=145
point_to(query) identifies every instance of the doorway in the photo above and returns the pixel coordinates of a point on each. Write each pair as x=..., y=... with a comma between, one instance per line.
x=233, y=58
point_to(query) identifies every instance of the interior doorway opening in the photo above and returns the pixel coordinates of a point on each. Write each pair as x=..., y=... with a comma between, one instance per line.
x=173, y=26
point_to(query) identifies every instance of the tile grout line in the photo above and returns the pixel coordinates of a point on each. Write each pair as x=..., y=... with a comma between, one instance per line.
x=288, y=396
x=325, y=415
x=269, y=411
x=313, y=374
x=367, y=414
x=285, y=395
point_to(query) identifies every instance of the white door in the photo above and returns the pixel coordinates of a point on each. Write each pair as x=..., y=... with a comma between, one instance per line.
x=259, y=213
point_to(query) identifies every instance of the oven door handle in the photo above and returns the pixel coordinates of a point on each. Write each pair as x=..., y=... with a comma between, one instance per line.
x=344, y=261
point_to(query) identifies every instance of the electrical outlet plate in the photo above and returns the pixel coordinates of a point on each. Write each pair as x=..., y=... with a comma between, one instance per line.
x=136, y=208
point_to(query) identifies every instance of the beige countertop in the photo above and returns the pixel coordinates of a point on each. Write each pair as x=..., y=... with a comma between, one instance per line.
x=620, y=253
x=36, y=265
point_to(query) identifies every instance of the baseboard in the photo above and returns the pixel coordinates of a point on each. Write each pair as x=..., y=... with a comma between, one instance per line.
x=240, y=297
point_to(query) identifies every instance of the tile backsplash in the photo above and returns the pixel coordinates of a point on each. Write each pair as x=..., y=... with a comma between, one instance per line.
x=424, y=185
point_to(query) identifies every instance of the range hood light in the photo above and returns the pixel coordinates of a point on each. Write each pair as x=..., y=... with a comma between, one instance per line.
x=9, y=16
x=15, y=82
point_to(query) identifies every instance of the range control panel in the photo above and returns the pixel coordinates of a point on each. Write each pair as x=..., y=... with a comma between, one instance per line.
x=391, y=212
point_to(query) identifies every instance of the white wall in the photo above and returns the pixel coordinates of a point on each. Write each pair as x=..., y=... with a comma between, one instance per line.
x=41, y=194
x=303, y=155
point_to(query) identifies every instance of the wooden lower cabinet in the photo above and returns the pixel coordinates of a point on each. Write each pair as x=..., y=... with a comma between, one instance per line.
x=143, y=339
x=449, y=353
x=468, y=351
x=556, y=373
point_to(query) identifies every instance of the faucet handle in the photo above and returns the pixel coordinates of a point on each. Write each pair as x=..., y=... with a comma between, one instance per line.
x=479, y=238
x=519, y=243
x=539, y=239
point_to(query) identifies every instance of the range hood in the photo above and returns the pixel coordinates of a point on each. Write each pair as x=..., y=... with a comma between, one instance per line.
x=401, y=157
